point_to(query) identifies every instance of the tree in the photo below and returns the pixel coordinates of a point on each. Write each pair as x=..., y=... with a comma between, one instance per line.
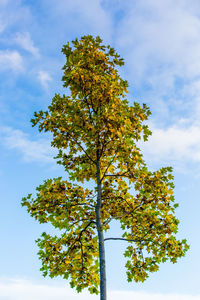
x=96, y=132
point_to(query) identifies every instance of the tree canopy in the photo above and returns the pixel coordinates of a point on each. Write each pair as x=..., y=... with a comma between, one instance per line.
x=96, y=132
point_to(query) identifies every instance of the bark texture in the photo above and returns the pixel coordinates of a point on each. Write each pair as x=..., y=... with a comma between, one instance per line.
x=100, y=238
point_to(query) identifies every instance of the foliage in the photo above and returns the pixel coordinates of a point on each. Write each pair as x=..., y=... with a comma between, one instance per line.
x=96, y=123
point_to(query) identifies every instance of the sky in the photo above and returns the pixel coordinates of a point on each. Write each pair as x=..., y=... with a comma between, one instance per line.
x=160, y=43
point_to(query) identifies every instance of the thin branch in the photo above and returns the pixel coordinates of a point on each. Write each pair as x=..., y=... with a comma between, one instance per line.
x=126, y=213
x=84, y=229
x=90, y=116
x=81, y=254
x=110, y=164
x=82, y=204
x=124, y=175
x=147, y=232
x=81, y=148
x=92, y=197
x=114, y=218
x=79, y=237
x=91, y=102
x=81, y=220
x=130, y=240
x=105, y=144
x=108, y=167
x=122, y=239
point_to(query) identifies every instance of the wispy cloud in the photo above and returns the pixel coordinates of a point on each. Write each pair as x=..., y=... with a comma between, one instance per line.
x=161, y=43
x=31, y=150
x=24, y=41
x=24, y=289
x=44, y=78
x=165, y=36
x=179, y=143
x=15, y=15
x=91, y=15
x=11, y=60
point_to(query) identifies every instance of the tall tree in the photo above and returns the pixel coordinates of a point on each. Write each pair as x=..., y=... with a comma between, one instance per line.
x=96, y=132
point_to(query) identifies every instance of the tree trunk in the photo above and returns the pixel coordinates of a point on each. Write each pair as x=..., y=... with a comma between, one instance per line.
x=100, y=238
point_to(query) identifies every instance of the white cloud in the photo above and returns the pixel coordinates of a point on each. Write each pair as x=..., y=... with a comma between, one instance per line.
x=91, y=11
x=44, y=78
x=176, y=143
x=14, y=15
x=18, y=289
x=38, y=150
x=24, y=40
x=86, y=15
x=160, y=41
x=10, y=60
x=162, y=36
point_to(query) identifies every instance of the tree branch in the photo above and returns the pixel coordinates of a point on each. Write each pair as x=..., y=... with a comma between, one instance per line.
x=126, y=213
x=131, y=240
x=117, y=174
x=84, y=229
x=108, y=167
x=81, y=221
x=78, y=239
x=114, y=218
x=122, y=239
x=92, y=197
x=81, y=147
x=90, y=115
x=82, y=204
x=104, y=144
x=81, y=255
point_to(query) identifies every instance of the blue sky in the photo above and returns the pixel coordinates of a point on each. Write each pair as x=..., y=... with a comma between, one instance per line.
x=160, y=42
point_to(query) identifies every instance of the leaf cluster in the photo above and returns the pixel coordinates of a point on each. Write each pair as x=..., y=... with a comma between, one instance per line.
x=75, y=253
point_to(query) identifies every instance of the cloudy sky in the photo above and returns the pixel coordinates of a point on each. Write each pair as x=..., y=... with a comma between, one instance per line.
x=160, y=42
